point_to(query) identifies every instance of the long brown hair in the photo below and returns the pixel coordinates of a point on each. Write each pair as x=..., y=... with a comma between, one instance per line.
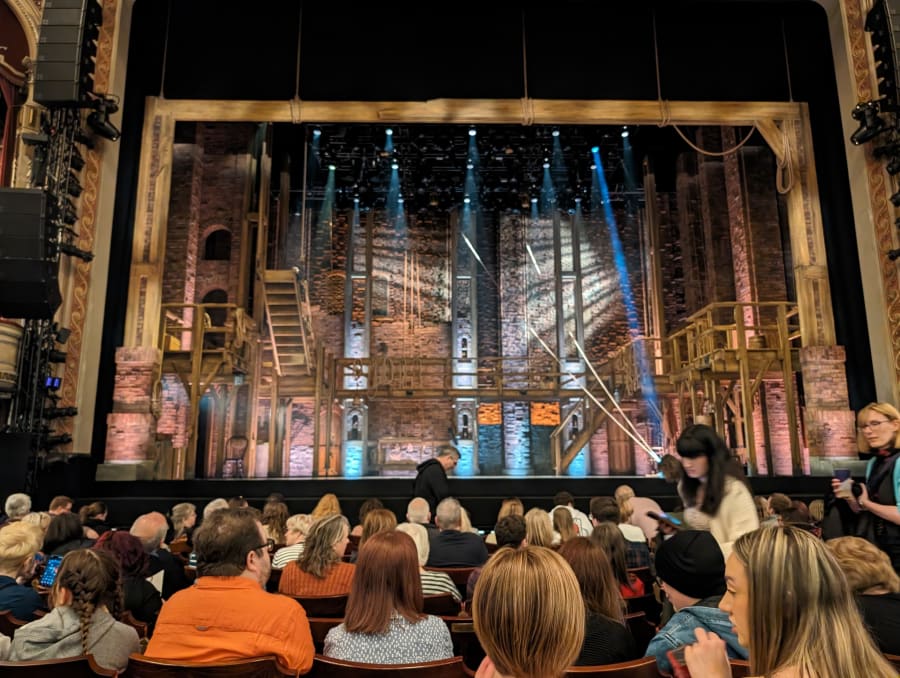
x=386, y=582
x=93, y=578
x=274, y=519
x=563, y=523
x=318, y=555
x=610, y=540
x=595, y=577
x=377, y=520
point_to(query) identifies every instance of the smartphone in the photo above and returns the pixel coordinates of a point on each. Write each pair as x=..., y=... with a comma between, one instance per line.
x=665, y=518
x=676, y=659
x=844, y=489
x=49, y=574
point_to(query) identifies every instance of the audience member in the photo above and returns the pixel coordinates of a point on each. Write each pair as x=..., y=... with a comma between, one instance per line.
x=384, y=623
x=511, y=532
x=19, y=542
x=670, y=468
x=433, y=583
x=39, y=518
x=713, y=488
x=431, y=476
x=817, y=510
x=563, y=525
x=637, y=552
x=778, y=504
x=60, y=504
x=87, y=601
x=528, y=614
x=319, y=570
x=633, y=510
x=274, y=519
x=606, y=638
x=538, y=528
x=792, y=608
x=327, y=506
x=451, y=547
x=762, y=508
x=17, y=506
x=215, y=505
x=377, y=520
x=93, y=517
x=227, y=614
x=295, y=538
x=610, y=539
x=140, y=597
x=417, y=511
x=508, y=507
x=151, y=529
x=691, y=570
x=368, y=505
x=565, y=500
x=65, y=534
x=875, y=584
x=184, y=518
x=238, y=502
x=465, y=523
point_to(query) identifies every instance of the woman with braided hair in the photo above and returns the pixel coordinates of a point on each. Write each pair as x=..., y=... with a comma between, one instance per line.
x=87, y=600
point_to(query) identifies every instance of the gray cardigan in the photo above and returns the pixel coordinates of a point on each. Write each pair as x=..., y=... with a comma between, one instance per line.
x=58, y=635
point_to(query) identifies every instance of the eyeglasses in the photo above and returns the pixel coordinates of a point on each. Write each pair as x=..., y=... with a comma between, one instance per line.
x=874, y=424
x=268, y=546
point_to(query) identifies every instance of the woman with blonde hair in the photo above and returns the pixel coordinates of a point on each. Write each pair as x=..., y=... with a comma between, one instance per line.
x=433, y=583
x=511, y=506
x=328, y=506
x=793, y=609
x=876, y=585
x=528, y=614
x=877, y=507
x=294, y=537
x=563, y=525
x=538, y=528
x=320, y=571
x=184, y=518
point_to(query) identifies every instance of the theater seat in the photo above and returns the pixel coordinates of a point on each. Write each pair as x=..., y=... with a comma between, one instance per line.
x=442, y=605
x=9, y=623
x=459, y=575
x=740, y=668
x=323, y=606
x=325, y=667
x=71, y=667
x=140, y=666
x=639, y=668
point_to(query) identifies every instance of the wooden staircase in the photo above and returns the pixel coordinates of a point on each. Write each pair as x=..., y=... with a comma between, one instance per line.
x=287, y=349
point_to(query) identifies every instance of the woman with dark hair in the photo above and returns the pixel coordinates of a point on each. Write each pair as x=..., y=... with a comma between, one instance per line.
x=274, y=520
x=384, y=622
x=64, y=534
x=368, y=505
x=87, y=601
x=93, y=517
x=140, y=596
x=713, y=487
x=319, y=570
x=606, y=638
x=377, y=520
x=610, y=540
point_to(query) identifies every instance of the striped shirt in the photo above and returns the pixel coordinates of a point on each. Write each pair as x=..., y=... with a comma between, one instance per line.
x=296, y=582
x=285, y=555
x=436, y=583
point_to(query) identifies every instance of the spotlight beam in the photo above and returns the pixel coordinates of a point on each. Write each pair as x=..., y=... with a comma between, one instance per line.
x=533, y=259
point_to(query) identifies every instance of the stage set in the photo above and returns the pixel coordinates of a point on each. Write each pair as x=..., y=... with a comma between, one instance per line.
x=313, y=278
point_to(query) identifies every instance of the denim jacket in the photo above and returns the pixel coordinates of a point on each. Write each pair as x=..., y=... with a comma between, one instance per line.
x=680, y=631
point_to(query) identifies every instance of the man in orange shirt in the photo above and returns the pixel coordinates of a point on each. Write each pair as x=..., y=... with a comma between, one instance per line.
x=227, y=614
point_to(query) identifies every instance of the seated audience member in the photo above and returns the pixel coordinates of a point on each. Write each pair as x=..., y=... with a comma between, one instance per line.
x=227, y=614
x=40, y=518
x=606, y=638
x=319, y=571
x=433, y=583
x=184, y=518
x=93, y=517
x=16, y=507
x=508, y=507
x=274, y=520
x=670, y=468
x=384, y=623
x=563, y=525
x=633, y=510
x=528, y=614
x=140, y=597
x=215, y=505
x=538, y=528
x=151, y=529
x=238, y=502
x=60, y=504
x=610, y=539
x=327, y=506
x=875, y=584
x=418, y=511
x=791, y=607
x=606, y=510
x=19, y=542
x=565, y=500
x=798, y=516
x=65, y=534
x=778, y=504
x=87, y=601
x=510, y=532
x=377, y=520
x=368, y=505
x=817, y=510
x=762, y=508
x=465, y=523
x=295, y=537
x=452, y=547
x=691, y=569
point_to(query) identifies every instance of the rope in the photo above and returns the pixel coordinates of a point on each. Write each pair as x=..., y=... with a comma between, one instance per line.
x=527, y=106
x=784, y=166
x=715, y=154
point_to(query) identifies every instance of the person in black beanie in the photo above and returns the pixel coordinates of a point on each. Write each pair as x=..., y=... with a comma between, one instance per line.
x=691, y=569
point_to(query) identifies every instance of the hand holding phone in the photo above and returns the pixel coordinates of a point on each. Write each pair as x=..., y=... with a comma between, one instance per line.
x=48, y=577
x=676, y=659
x=666, y=519
x=845, y=483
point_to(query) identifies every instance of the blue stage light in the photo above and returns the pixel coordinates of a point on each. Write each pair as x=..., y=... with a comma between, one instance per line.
x=395, y=165
x=332, y=168
x=555, y=132
x=624, y=132
x=472, y=132
x=595, y=149
x=470, y=165
x=546, y=165
x=317, y=132
x=467, y=200
x=389, y=131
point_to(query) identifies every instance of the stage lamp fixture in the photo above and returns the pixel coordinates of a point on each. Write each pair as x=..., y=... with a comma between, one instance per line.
x=870, y=124
x=62, y=439
x=73, y=251
x=893, y=255
x=57, y=412
x=99, y=119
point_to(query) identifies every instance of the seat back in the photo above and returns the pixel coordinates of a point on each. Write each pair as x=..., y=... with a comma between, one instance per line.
x=136, y=624
x=325, y=667
x=893, y=659
x=319, y=628
x=638, y=668
x=324, y=606
x=9, y=623
x=140, y=666
x=442, y=605
x=739, y=668
x=459, y=575
x=641, y=630
x=70, y=667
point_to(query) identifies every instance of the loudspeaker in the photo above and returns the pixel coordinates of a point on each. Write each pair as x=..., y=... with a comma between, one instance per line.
x=64, y=67
x=15, y=450
x=29, y=287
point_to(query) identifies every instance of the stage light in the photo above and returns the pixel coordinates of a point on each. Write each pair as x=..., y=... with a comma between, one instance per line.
x=62, y=334
x=870, y=125
x=472, y=132
x=624, y=132
x=555, y=133
x=595, y=149
x=546, y=165
x=389, y=131
x=895, y=199
x=400, y=200
x=356, y=199
x=73, y=186
x=470, y=165
x=467, y=200
x=76, y=161
x=57, y=412
x=62, y=439
x=593, y=167
x=533, y=201
x=73, y=251
x=317, y=132
x=99, y=119
x=394, y=166
x=332, y=168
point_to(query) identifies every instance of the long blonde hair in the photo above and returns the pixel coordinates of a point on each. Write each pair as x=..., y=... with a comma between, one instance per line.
x=885, y=409
x=328, y=506
x=802, y=613
x=538, y=528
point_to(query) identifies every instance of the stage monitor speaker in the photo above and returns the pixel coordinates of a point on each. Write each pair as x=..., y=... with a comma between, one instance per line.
x=29, y=287
x=67, y=48
x=15, y=450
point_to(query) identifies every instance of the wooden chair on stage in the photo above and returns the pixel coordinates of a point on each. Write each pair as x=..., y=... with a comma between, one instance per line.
x=325, y=667
x=140, y=666
x=71, y=667
x=235, y=451
x=324, y=606
x=638, y=668
x=442, y=605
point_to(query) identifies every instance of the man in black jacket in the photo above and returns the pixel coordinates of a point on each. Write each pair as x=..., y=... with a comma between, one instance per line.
x=431, y=481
